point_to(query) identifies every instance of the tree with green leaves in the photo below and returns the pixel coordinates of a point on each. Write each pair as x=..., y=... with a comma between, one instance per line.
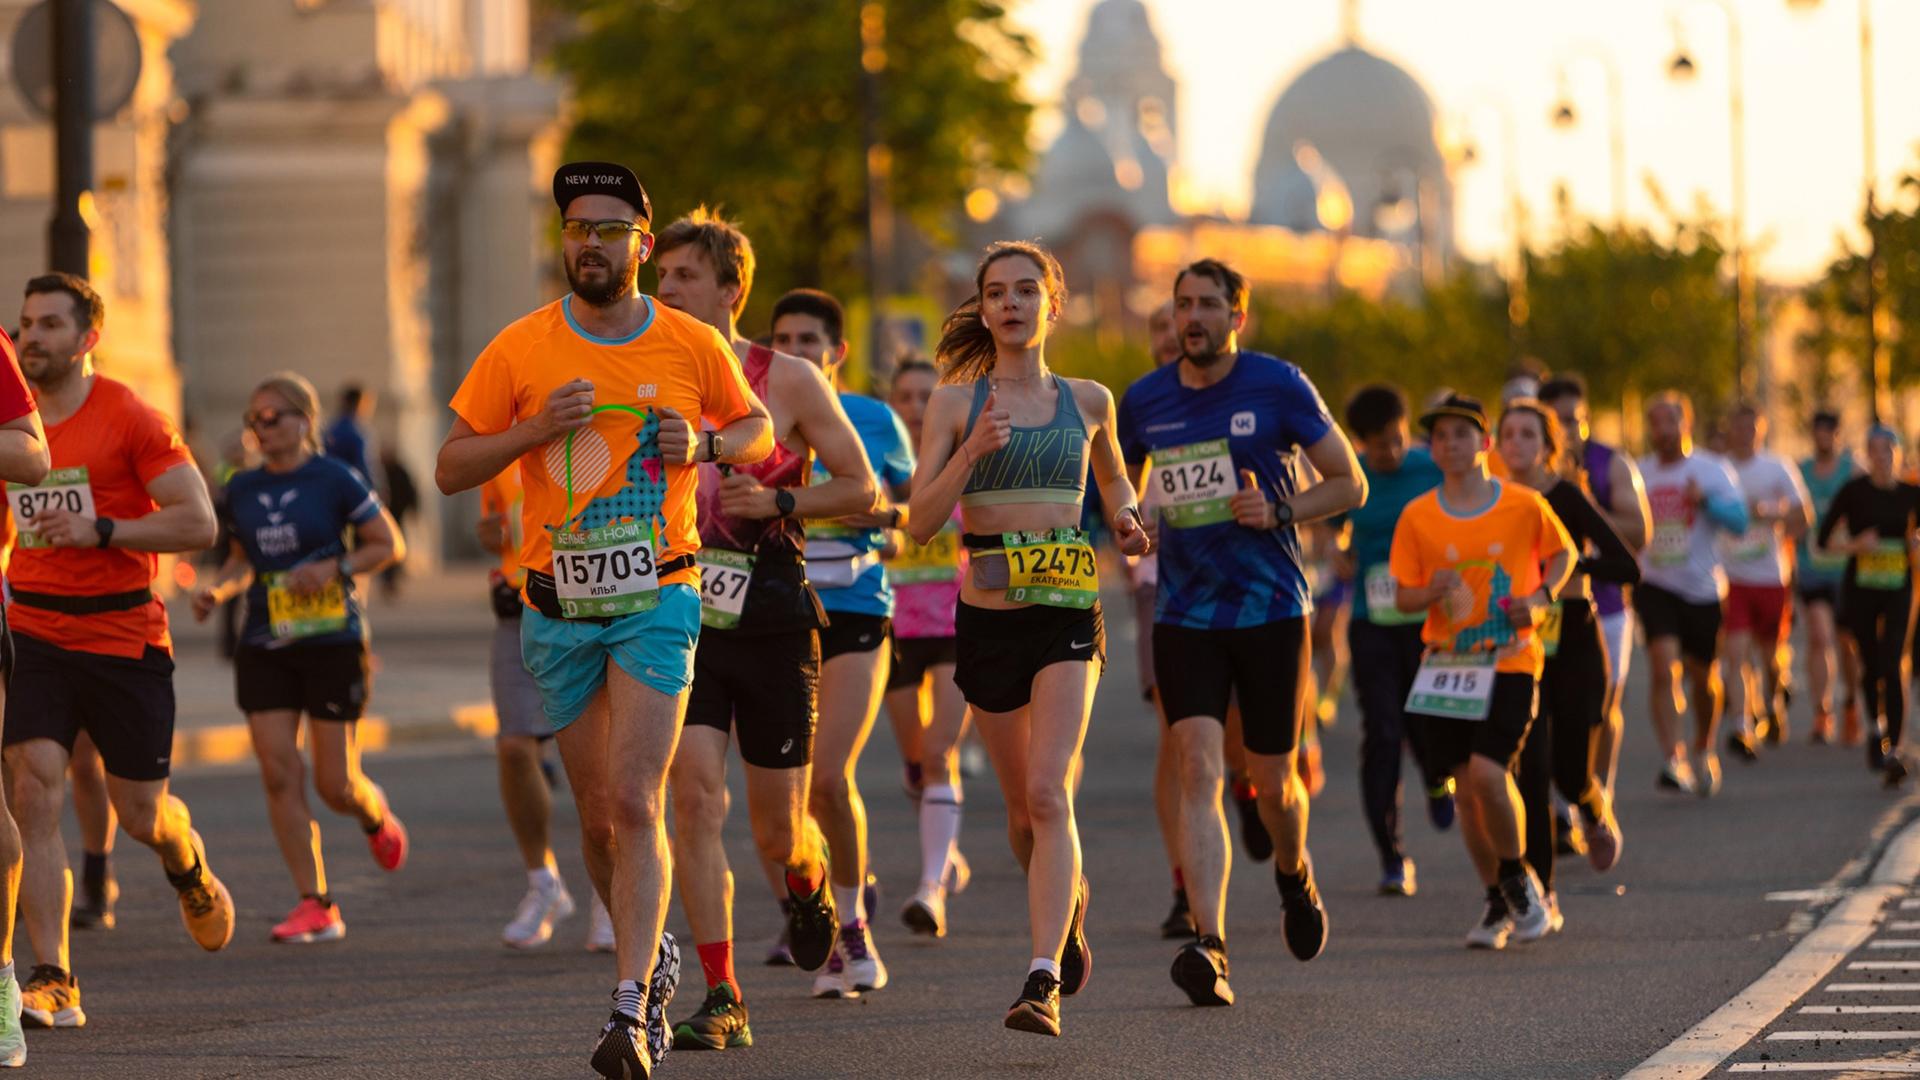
x=758, y=109
x=1837, y=300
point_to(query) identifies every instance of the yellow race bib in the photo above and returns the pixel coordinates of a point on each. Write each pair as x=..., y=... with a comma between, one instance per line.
x=293, y=615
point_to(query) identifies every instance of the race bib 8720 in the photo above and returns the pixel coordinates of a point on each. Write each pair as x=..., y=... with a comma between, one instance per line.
x=63, y=489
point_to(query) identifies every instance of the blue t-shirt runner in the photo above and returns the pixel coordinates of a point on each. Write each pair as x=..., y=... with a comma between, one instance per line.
x=282, y=520
x=842, y=561
x=1214, y=573
x=1388, y=493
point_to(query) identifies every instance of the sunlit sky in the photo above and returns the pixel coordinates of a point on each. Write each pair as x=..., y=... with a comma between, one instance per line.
x=1232, y=58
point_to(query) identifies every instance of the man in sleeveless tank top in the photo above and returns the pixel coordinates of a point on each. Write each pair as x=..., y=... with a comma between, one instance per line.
x=1817, y=578
x=758, y=663
x=1222, y=428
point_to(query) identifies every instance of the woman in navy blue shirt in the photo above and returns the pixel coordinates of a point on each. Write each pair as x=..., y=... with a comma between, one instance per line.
x=304, y=645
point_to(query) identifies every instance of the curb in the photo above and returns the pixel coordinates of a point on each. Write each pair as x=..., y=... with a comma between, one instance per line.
x=1703, y=1047
x=228, y=744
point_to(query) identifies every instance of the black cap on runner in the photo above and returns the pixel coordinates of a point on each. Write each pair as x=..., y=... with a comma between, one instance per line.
x=577, y=178
x=1465, y=408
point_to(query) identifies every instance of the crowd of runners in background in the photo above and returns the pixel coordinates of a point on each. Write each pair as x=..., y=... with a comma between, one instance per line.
x=708, y=542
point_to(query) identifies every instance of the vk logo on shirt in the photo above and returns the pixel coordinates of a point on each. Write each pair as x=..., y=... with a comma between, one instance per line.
x=1242, y=423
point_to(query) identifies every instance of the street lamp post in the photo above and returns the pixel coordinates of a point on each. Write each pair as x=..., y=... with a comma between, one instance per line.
x=1516, y=213
x=1877, y=375
x=73, y=47
x=1682, y=68
x=873, y=64
x=1565, y=116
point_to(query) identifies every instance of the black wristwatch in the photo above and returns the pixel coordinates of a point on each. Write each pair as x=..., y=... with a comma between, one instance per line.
x=714, y=446
x=1282, y=514
x=783, y=502
x=103, y=526
x=897, y=516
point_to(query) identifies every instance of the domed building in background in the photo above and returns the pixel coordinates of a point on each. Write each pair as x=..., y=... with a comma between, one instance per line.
x=1362, y=123
x=1351, y=190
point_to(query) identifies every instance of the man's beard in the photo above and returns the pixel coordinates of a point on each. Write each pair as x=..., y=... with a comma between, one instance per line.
x=53, y=370
x=617, y=283
x=1212, y=355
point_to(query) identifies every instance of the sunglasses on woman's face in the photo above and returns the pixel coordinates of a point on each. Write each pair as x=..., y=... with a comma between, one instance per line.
x=261, y=419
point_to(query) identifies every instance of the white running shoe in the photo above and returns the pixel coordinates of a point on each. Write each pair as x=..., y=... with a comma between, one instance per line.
x=864, y=971
x=532, y=924
x=832, y=980
x=1708, y=783
x=1531, y=920
x=1555, y=921
x=926, y=912
x=1493, y=929
x=600, y=934
x=13, y=1036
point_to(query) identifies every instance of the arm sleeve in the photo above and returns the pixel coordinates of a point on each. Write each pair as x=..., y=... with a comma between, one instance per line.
x=1613, y=562
x=724, y=393
x=1725, y=505
x=1836, y=513
x=1553, y=537
x=485, y=399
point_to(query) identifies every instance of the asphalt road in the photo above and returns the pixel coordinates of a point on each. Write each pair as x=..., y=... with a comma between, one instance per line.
x=421, y=987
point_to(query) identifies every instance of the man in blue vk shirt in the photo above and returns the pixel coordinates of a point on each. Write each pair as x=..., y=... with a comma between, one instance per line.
x=1215, y=435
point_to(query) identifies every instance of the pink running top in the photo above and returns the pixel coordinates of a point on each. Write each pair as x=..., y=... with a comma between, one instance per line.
x=926, y=583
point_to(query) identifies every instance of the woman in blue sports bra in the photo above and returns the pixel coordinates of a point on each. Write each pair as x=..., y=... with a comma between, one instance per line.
x=1011, y=442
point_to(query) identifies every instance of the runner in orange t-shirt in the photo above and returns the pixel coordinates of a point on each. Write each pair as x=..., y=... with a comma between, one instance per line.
x=1485, y=559
x=93, y=653
x=608, y=547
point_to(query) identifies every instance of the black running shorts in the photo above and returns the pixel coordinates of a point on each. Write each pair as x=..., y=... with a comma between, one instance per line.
x=1199, y=671
x=1665, y=614
x=1498, y=738
x=997, y=653
x=125, y=703
x=327, y=681
x=848, y=632
x=768, y=683
x=913, y=657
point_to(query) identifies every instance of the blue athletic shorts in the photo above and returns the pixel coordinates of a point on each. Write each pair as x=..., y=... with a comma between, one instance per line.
x=568, y=657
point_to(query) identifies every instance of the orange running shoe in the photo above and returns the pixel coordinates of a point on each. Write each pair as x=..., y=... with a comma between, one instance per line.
x=311, y=921
x=389, y=843
x=205, y=905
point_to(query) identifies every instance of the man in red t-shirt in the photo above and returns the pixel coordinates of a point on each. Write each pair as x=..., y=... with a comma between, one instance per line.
x=23, y=460
x=91, y=643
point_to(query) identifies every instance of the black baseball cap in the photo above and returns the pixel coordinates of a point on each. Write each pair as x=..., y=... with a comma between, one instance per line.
x=1465, y=408
x=577, y=178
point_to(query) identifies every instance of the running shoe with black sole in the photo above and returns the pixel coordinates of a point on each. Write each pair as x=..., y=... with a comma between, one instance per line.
x=1179, y=921
x=1076, y=956
x=621, y=1053
x=812, y=925
x=93, y=908
x=1399, y=880
x=1528, y=907
x=1200, y=970
x=1495, y=925
x=1303, y=917
x=1253, y=832
x=1038, y=1008
x=1741, y=745
x=720, y=1023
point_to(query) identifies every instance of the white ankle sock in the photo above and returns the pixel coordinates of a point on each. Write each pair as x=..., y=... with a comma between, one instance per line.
x=627, y=998
x=1046, y=964
x=847, y=902
x=939, y=831
x=544, y=878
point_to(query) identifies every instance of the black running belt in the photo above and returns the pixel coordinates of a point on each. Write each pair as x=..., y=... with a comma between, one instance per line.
x=84, y=605
x=982, y=541
x=544, y=594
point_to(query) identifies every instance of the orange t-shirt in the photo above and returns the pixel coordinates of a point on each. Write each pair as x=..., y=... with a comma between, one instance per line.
x=1497, y=552
x=124, y=444
x=501, y=496
x=673, y=361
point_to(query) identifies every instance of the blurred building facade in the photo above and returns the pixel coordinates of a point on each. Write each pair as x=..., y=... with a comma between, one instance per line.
x=129, y=257
x=360, y=194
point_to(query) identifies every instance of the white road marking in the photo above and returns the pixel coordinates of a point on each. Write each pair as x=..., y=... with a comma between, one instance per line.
x=1803, y=896
x=1868, y=1066
x=1851, y=921
x=1822, y=1036
x=1904, y=924
x=1909, y=905
x=1869, y=988
x=1883, y=965
x=1894, y=943
x=1836, y=1010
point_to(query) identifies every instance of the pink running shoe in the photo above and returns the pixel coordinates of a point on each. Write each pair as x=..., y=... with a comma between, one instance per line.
x=389, y=843
x=309, y=922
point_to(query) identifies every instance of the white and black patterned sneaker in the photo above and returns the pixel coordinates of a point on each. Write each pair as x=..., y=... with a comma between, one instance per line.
x=621, y=1053
x=666, y=979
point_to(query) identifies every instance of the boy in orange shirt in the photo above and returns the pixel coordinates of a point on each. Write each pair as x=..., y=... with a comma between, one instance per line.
x=1484, y=559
